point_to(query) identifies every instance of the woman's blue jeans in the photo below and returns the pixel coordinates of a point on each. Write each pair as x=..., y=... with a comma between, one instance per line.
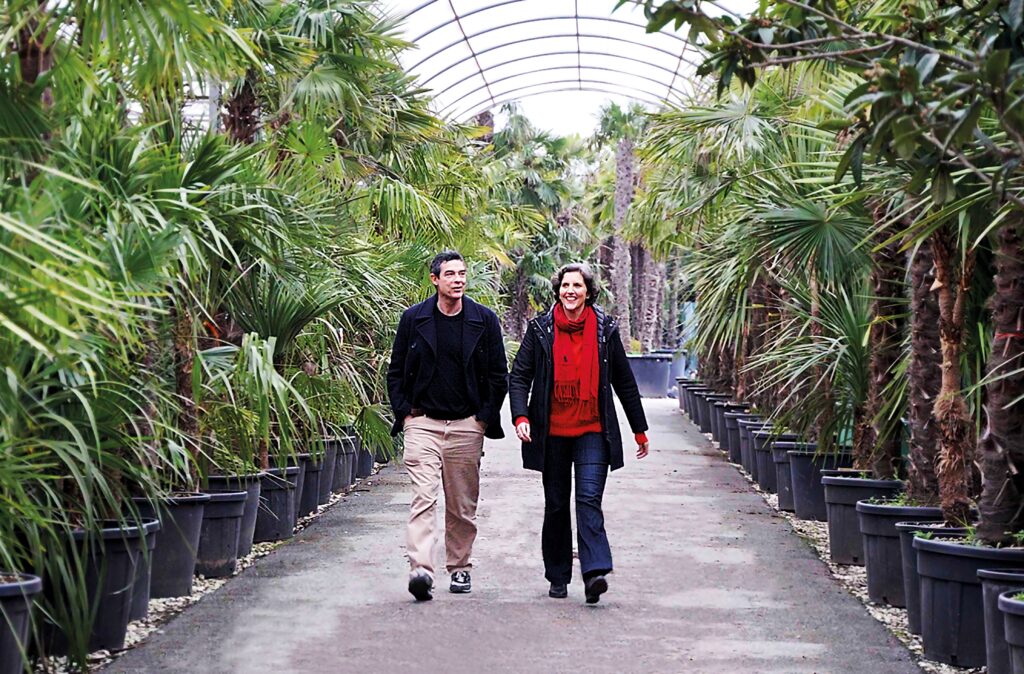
x=589, y=455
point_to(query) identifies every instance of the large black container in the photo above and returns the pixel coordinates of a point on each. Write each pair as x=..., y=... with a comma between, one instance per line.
x=276, y=518
x=143, y=574
x=719, y=431
x=310, y=496
x=364, y=460
x=327, y=472
x=177, y=542
x=706, y=410
x=763, y=461
x=732, y=433
x=1012, y=610
x=108, y=556
x=353, y=475
x=845, y=544
x=995, y=582
x=908, y=558
x=805, y=468
x=339, y=482
x=780, y=450
x=681, y=385
x=218, y=540
x=952, y=609
x=882, y=556
x=747, y=443
x=695, y=398
x=16, y=598
x=251, y=485
x=651, y=371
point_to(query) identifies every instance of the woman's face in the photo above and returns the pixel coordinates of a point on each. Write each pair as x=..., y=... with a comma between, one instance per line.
x=573, y=292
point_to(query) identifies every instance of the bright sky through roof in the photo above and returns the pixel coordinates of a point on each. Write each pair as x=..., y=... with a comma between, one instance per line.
x=562, y=59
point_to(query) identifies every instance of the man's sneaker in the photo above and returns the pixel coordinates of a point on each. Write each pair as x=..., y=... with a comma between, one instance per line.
x=594, y=588
x=421, y=585
x=558, y=591
x=461, y=583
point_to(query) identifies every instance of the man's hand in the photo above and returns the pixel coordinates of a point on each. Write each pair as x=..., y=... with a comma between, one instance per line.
x=523, y=431
x=641, y=449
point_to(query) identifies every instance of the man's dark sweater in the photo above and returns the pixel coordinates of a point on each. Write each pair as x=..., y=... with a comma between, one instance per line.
x=446, y=397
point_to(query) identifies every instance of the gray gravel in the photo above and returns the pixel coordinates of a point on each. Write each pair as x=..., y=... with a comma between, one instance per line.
x=708, y=578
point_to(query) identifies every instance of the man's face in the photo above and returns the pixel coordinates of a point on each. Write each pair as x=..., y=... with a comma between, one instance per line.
x=451, y=284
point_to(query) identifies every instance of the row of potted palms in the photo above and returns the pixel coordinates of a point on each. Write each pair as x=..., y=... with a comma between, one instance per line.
x=212, y=213
x=850, y=210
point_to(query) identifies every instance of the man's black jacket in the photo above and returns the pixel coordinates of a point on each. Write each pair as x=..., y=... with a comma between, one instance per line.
x=413, y=358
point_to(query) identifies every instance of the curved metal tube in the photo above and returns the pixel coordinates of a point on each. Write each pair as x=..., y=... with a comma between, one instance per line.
x=464, y=15
x=491, y=83
x=538, y=19
x=508, y=94
x=556, y=53
x=642, y=45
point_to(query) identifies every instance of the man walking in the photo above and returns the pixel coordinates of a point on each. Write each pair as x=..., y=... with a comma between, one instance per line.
x=447, y=379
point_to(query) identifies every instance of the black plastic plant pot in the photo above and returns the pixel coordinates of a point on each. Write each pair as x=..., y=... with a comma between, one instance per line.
x=17, y=594
x=805, y=468
x=883, y=559
x=331, y=448
x=353, y=475
x=144, y=570
x=783, y=470
x=177, y=542
x=763, y=460
x=310, y=496
x=251, y=485
x=908, y=559
x=732, y=433
x=364, y=467
x=340, y=480
x=651, y=371
x=845, y=544
x=718, y=427
x=747, y=443
x=1012, y=610
x=706, y=410
x=952, y=609
x=109, y=556
x=995, y=582
x=218, y=540
x=684, y=384
x=696, y=398
x=276, y=517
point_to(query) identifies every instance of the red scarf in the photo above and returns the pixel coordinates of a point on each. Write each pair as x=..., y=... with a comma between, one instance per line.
x=576, y=366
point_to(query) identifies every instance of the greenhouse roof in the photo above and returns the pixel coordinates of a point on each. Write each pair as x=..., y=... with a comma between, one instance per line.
x=475, y=55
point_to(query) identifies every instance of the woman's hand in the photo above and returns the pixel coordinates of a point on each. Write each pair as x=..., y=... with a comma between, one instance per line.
x=641, y=449
x=523, y=431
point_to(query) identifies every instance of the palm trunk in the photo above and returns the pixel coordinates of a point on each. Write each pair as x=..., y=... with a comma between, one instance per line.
x=956, y=428
x=242, y=121
x=184, y=361
x=621, y=268
x=822, y=430
x=885, y=345
x=651, y=287
x=518, y=312
x=1001, y=450
x=924, y=380
x=34, y=54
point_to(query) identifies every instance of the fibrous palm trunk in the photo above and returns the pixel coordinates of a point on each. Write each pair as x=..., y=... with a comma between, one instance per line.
x=885, y=343
x=34, y=54
x=651, y=289
x=184, y=361
x=518, y=311
x=621, y=266
x=924, y=377
x=1001, y=450
x=241, y=121
x=956, y=428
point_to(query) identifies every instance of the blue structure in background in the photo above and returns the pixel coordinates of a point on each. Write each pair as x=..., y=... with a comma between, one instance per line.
x=689, y=323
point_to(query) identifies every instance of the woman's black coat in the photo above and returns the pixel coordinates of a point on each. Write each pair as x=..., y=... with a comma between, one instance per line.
x=534, y=369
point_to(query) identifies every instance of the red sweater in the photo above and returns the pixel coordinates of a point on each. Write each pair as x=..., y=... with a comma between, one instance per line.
x=640, y=438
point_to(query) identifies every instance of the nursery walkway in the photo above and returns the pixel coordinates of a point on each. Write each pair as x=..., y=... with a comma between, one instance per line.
x=707, y=579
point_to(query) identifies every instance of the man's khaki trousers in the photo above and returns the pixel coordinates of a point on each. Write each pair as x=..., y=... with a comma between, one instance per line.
x=443, y=452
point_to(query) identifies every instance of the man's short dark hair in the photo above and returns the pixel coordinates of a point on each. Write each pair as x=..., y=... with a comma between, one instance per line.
x=593, y=288
x=441, y=258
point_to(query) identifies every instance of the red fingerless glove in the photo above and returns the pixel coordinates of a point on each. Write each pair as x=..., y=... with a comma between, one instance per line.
x=520, y=420
x=641, y=438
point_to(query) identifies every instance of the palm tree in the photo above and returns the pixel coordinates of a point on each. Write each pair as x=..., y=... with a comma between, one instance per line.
x=623, y=128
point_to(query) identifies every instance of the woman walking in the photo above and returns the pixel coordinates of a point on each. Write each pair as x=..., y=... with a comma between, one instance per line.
x=560, y=392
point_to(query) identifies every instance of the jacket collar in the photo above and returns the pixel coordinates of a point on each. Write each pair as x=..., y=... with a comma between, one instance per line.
x=473, y=326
